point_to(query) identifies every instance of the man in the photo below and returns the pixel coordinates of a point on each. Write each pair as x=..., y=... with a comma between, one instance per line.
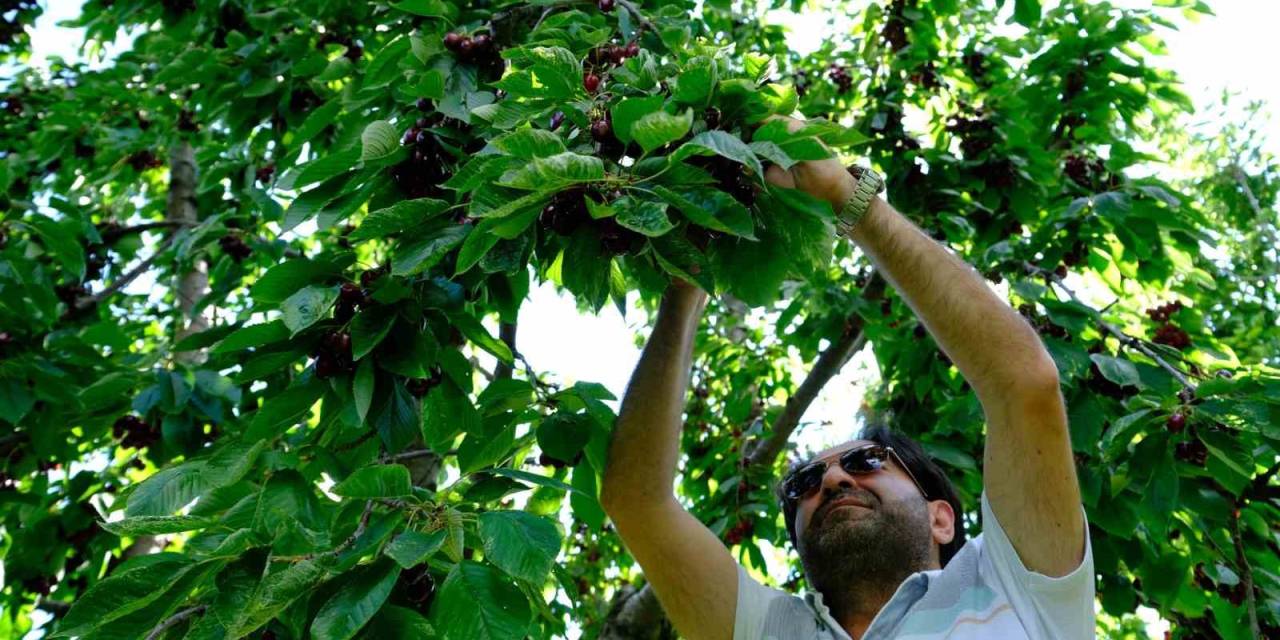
x=874, y=521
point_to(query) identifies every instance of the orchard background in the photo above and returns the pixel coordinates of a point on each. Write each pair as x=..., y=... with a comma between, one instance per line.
x=317, y=421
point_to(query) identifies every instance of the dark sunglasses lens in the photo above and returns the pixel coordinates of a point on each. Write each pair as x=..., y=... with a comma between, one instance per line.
x=865, y=460
x=804, y=481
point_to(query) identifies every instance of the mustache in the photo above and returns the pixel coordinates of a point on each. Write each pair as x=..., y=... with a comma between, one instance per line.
x=862, y=498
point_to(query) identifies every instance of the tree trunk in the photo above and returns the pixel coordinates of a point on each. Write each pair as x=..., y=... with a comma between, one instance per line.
x=636, y=614
x=181, y=208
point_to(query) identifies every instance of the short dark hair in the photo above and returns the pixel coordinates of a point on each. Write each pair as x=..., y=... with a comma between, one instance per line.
x=927, y=472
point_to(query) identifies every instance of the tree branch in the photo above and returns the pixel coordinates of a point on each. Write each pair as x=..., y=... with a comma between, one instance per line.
x=506, y=333
x=828, y=364
x=173, y=621
x=1124, y=338
x=1242, y=180
x=123, y=281
x=117, y=233
x=1246, y=578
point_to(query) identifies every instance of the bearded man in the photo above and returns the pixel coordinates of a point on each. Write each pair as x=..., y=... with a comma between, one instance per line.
x=874, y=521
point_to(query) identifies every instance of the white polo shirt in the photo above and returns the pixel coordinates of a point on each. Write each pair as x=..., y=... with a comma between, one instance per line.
x=984, y=592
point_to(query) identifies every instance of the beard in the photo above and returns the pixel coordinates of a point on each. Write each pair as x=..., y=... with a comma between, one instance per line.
x=858, y=557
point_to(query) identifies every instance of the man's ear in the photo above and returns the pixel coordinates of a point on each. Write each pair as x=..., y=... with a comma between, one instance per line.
x=942, y=521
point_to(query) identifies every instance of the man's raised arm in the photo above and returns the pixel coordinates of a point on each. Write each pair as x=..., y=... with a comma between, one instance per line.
x=1028, y=472
x=689, y=569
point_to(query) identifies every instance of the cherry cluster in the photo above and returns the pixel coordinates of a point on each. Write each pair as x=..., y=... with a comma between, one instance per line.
x=426, y=168
x=1192, y=451
x=69, y=292
x=333, y=355
x=95, y=260
x=234, y=246
x=739, y=532
x=566, y=212
x=731, y=177
x=975, y=62
x=976, y=134
x=264, y=173
x=1168, y=333
x=1099, y=383
x=419, y=387
x=1089, y=173
x=134, y=432
x=479, y=49
x=894, y=31
x=1234, y=594
x=607, y=55
x=839, y=74
x=926, y=76
x=351, y=295
x=548, y=460
x=418, y=587
x=145, y=159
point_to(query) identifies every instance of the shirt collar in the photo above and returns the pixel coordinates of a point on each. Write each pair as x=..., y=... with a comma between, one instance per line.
x=907, y=594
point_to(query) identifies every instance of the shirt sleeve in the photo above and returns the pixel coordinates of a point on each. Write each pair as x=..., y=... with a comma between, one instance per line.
x=765, y=613
x=1059, y=608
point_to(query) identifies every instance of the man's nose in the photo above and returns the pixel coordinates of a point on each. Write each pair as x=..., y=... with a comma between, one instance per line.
x=836, y=480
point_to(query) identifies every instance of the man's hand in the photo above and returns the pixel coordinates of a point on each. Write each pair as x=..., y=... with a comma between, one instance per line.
x=823, y=179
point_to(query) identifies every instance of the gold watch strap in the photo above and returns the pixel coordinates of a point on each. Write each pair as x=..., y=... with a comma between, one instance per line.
x=855, y=208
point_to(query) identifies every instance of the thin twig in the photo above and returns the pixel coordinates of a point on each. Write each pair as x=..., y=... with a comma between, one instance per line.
x=1124, y=338
x=124, y=280
x=635, y=11
x=115, y=234
x=53, y=606
x=173, y=621
x=1246, y=578
x=408, y=455
x=1242, y=180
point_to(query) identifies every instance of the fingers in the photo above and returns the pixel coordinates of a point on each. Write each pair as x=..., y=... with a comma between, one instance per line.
x=780, y=177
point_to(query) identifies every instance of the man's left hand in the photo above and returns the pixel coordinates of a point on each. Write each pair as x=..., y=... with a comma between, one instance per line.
x=823, y=179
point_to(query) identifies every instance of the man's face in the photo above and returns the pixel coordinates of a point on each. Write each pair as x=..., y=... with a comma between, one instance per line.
x=862, y=527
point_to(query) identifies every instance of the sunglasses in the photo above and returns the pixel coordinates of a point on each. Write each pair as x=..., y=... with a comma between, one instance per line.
x=859, y=461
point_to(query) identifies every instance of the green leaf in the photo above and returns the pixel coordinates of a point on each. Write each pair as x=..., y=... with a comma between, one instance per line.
x=328, y=169
x=368, y=329
x=1162, y=492
x=401, y=216
x=522, y=544
x=307, y=306
x=155, y=525
x=412, y=548
x=628, y=111
x=476, y=333
x=479, y=171
x=1117, y=370
x=563, y=435
x=175, y=487
x=659, y=128
x=425, y=253
x=752, y=270
x=478, y=603
x=1026, y=12
x=362, y=387
x=528, y=144
x=711, y=208
x=277, y=591
x=60, y=239
x=425, y=8
x=557, y=70
x=722, y=144
x=284, y=409
x=254, y=335
x=378, y=481
x=399, y=623
x=355, y=603
x=447, y=411
x=123, y=593
x=553, y=173
x=398, y=419
x=378, y=141
x=680, y=258
x=284, y=279
x=695, y=82
x=643, y=216
x=316, y=122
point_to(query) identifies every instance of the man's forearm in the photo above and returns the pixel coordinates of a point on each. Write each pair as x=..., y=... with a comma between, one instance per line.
x=646, y=438
x=994, y=348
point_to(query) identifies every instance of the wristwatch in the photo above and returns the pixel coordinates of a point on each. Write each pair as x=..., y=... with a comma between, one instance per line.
x=869, y=184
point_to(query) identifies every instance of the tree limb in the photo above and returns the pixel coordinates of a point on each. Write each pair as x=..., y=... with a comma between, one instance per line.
x=1246, y=578
x=173, y=621
x=506, y=333
x=123, y=281
x=117, y=233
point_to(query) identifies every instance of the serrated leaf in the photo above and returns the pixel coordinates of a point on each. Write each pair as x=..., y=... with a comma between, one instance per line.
x=254, y=335
x=630, y=110
x=356, y=602
x=368, y=329
x=378, y=141
x=122, y=593
x=710, y=208
x=155, y=525
x=478, y=603
x=307, y=306
x=470, y=327
x=528, y=144
x=1117, y=370
x=362, y=387
x=659, y=128
x=522, y=544
x=400, y=216
x=412, y=548
x=277, y=591
x=378, y=481
x=286, y=278
x=723, y=144
x=424, y=253
x=553, y=173
x=643, y=216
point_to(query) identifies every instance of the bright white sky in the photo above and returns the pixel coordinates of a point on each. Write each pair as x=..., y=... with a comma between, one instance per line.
x=1234, y=51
